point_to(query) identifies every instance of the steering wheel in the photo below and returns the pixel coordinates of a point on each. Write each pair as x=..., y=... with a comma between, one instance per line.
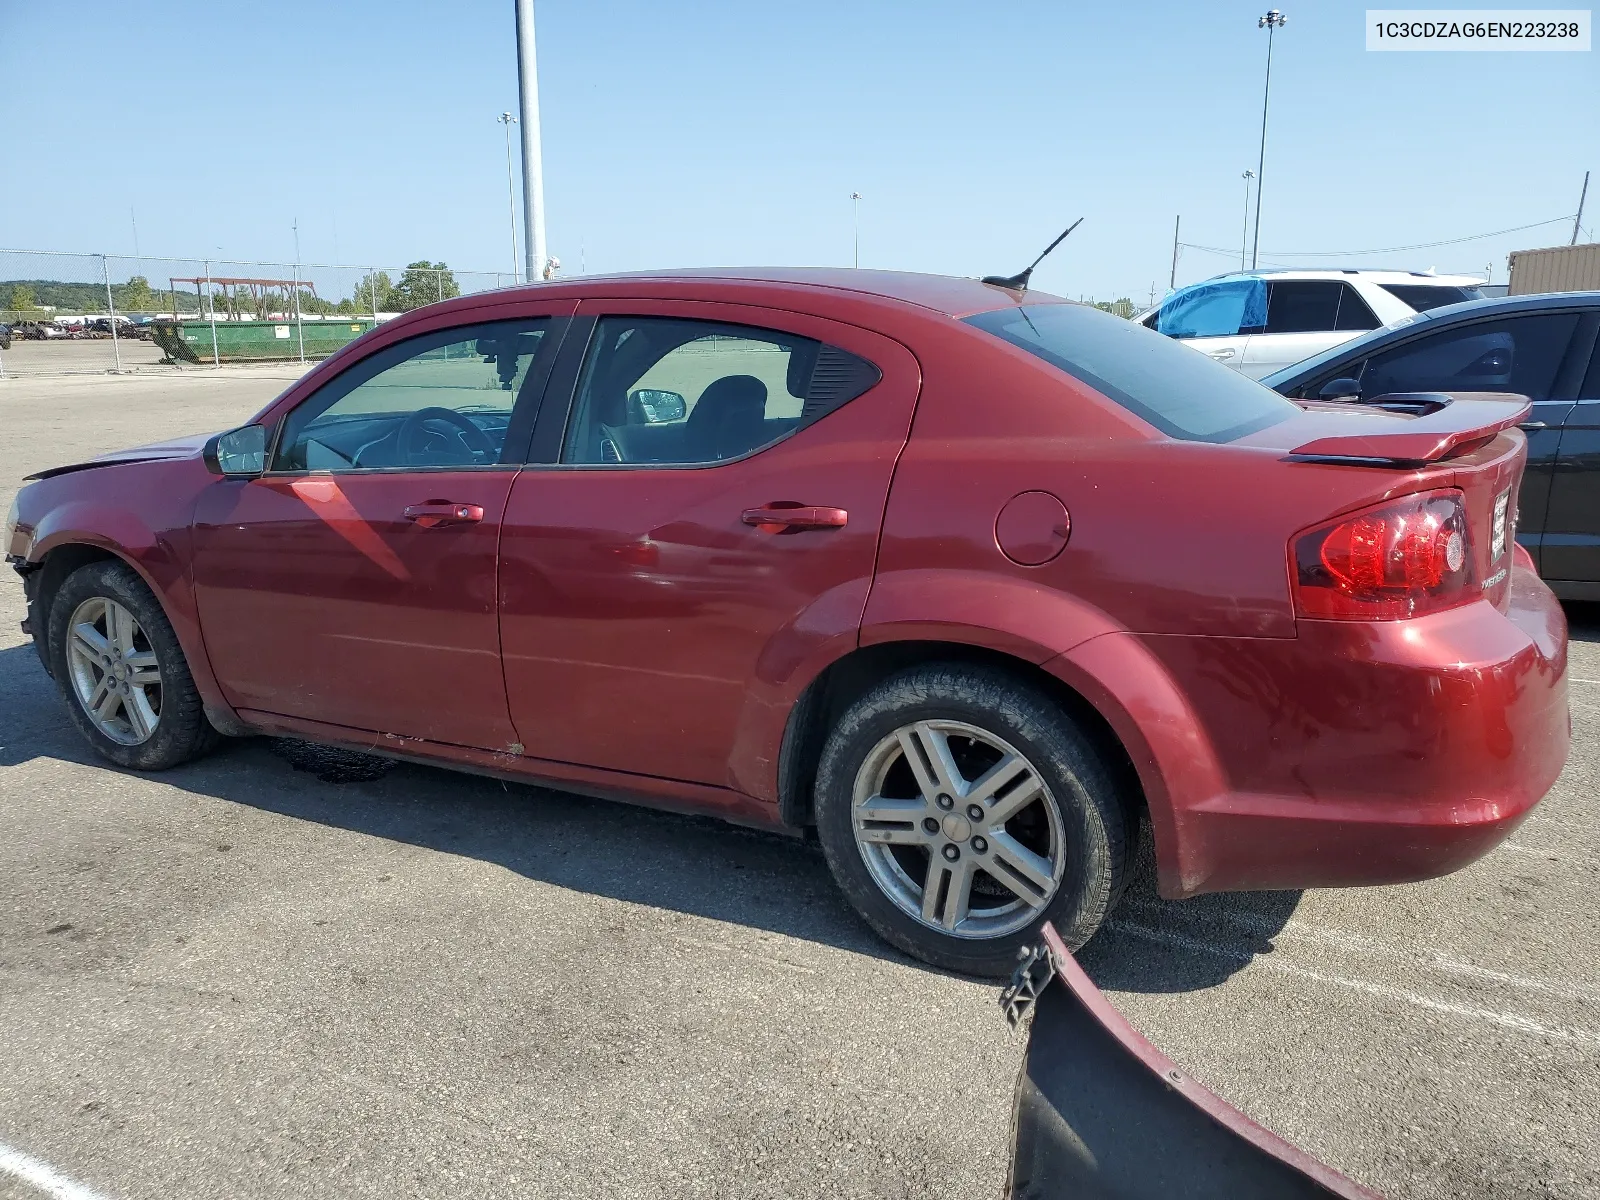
x=408, y=438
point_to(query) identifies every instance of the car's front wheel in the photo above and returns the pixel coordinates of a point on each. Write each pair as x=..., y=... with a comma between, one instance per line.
x=121, y=671
x=960, y=808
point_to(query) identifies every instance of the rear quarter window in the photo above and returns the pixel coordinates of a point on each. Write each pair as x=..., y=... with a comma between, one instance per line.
x=1423, y=296
x=1179, y=390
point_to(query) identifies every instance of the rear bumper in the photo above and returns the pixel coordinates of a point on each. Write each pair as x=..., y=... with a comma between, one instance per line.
x=1359, y=753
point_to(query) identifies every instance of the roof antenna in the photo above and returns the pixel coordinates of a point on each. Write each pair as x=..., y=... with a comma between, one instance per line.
x=1019, y=281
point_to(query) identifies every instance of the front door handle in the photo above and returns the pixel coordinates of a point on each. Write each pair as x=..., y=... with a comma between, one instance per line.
x=1219, y=355
x=434, y=514
x=780, y=517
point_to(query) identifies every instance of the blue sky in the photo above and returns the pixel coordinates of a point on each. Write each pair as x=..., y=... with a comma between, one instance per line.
x=713, y=133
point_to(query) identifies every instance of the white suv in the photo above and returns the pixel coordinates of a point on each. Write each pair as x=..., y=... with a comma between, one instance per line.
x=1260, y=321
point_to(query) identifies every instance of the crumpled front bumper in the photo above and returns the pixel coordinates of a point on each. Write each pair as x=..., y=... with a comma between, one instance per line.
x=1101, y=1113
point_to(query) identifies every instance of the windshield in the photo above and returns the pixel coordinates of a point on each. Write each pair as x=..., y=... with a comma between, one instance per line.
x=1177, y=389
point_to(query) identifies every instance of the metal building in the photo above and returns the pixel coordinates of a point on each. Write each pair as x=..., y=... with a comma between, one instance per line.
x=1558, y=269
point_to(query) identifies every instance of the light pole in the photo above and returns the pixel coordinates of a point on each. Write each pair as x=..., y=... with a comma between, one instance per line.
x=1273, y=21
x=1244, y=237
x=508, y=121
x=855, y=222
x=532, y=156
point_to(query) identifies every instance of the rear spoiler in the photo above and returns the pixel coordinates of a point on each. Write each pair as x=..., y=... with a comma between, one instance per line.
x=1447, y=422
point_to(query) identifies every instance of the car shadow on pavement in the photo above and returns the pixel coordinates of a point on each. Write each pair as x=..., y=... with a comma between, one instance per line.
x=1583, y=621
x=698, y=866
x=1156, y=945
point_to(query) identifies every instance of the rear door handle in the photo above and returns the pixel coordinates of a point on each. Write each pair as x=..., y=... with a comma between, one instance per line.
x=433, y=514
x=775, y=518
x=1219, y=354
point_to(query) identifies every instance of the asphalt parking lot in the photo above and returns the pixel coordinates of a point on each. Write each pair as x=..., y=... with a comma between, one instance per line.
x=239, y=979
x=81, y=356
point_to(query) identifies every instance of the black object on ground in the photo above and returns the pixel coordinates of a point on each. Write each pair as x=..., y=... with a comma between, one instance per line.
x=331, y=764
x=1099, y=1112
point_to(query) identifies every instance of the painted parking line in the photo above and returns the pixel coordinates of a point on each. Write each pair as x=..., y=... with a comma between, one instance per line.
x=1421, y=956
x=1516, y=1022
x=42, y=1175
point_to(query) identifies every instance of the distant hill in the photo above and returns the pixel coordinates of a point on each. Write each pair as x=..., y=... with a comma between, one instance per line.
x=91, y=297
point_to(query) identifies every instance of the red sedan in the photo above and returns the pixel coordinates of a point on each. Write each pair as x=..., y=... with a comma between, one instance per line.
x=968, y=579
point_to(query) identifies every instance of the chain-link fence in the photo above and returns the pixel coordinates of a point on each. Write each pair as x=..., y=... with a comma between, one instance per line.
x=66, y=313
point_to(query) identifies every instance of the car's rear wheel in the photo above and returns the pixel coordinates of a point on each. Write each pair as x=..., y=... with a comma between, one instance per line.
x=960, y=808
x=121, y=671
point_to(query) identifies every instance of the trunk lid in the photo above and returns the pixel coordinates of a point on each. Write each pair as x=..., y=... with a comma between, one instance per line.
x=1464, y=440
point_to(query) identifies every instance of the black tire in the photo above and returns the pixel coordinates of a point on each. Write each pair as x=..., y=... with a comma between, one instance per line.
x=1096, y=836
x=182, y=731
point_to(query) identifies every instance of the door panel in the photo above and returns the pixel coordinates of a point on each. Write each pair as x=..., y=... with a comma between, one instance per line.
x=1570, y=549
x=644, y=617
x=1543, y=431
x=1305, y=317
x=1269, y=352
x=319, y=599
x=1215, y=318
x=354, y=584
x=1229, y=351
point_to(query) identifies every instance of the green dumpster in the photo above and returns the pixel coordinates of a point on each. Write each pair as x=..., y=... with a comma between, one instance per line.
x=255, y=341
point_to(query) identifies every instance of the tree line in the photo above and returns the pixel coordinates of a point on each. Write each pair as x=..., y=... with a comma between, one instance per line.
x=422, y=282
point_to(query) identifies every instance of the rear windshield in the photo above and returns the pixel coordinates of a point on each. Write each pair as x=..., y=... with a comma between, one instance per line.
x=1177, y=389
x=1423, y=296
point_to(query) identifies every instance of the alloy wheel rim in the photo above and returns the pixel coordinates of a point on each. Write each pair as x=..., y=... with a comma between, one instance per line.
x=115, y=673
x=958, y=829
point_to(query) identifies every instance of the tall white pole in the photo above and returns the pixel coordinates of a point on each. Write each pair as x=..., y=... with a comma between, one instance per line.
x=111, y=311
x=532, y=156
x=299, y=329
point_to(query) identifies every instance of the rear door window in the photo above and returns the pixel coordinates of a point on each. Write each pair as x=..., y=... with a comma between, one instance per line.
x=1353, y=311
x=1511, y=354
x=660, y=391
x=1316, y=306
x=1303, y=306
x=1183, y=394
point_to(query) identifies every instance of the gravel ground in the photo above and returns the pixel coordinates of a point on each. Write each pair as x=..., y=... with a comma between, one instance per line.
x=240, y=979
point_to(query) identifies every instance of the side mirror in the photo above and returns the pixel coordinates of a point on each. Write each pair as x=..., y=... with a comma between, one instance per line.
x=238, y=454
x=1343, y=388
x=657, y=407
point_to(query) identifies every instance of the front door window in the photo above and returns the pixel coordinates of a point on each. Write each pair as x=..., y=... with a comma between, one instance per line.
x=441, y=400
x=1211, y=310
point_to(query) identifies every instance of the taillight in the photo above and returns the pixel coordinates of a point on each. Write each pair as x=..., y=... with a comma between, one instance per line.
x=1399, y=559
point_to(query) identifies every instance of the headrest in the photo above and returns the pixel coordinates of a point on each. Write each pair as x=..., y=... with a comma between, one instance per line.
x=731, y=398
